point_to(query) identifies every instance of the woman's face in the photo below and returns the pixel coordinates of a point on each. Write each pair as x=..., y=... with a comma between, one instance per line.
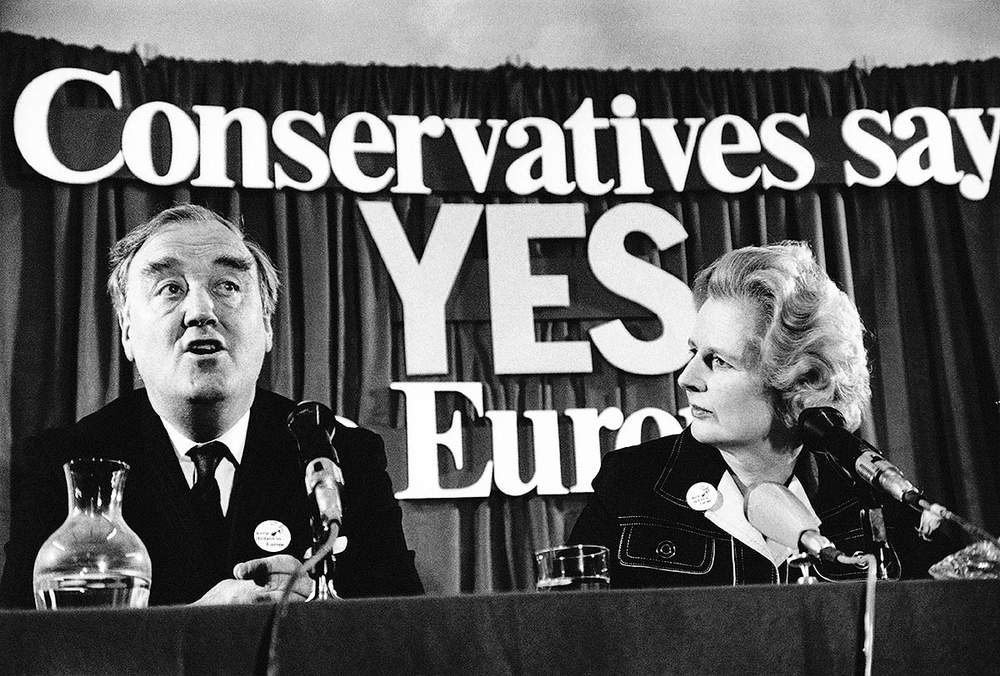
x=730, y=407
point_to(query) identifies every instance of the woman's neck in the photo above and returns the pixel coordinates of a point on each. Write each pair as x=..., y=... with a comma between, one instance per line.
x=765, y=463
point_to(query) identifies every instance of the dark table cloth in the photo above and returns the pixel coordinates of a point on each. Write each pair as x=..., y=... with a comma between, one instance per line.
x=922, y=627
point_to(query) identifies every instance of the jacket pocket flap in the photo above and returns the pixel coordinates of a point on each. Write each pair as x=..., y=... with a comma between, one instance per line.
x=659, y=545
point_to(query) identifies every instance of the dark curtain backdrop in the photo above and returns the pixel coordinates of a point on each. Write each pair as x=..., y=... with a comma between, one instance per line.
x=922, y=264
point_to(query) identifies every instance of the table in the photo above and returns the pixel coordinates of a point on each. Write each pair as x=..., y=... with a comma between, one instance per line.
x=930, y=627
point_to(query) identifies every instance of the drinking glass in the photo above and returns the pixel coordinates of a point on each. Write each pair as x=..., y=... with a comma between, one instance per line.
x=572, y=568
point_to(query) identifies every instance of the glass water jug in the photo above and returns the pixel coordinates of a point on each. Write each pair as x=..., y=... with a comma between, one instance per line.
x=93, y=559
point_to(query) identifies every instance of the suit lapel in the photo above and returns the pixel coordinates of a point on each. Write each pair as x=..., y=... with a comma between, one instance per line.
x=729, y=517
x=263, y=487
x=689, y=462
x=165, y=481
x=260, y=488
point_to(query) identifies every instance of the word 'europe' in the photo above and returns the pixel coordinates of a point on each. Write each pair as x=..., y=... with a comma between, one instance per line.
x=504, y=467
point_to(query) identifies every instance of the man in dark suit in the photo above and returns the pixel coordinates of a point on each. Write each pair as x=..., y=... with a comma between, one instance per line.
x=194, y=300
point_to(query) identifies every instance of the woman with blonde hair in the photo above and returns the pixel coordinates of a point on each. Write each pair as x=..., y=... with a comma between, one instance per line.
x=773, y=336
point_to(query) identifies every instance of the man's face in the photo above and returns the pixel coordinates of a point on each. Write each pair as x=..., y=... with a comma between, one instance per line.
x=193, y=321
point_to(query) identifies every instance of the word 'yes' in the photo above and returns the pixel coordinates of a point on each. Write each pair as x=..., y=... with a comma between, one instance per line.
x=424, y=286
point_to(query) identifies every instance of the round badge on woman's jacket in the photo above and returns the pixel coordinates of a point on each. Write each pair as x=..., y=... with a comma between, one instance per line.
x=703, y=497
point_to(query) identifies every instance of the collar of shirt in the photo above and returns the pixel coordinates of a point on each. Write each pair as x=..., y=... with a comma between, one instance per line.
x=235, y=439
x=730, y=517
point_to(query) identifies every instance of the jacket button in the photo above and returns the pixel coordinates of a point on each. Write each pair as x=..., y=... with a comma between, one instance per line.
x=666, y=549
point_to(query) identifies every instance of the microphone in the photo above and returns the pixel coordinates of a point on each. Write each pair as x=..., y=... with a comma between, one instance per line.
x=780, y=516
x=314, y=426
x=825, y=426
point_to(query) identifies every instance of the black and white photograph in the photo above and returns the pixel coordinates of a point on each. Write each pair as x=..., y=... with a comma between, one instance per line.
x=460, y=336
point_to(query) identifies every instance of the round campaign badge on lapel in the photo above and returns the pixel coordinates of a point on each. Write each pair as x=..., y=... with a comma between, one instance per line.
x=702, y=497
x=272, y=536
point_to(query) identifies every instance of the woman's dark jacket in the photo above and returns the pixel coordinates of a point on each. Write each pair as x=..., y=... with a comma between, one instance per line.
x=639, y=512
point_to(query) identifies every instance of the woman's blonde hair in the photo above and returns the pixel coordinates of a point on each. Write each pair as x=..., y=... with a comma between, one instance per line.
x=808, y=343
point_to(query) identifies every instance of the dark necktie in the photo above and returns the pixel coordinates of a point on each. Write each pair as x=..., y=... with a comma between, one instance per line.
x=205, y=492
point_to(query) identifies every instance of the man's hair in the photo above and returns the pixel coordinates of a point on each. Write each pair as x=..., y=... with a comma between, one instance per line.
x=808, y=341
x=123, y=251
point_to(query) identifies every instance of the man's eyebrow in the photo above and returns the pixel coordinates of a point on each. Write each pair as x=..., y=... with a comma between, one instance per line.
x=235, y=262
x=153, y=268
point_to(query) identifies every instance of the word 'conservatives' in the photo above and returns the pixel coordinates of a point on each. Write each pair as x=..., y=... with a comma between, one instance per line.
x=621, y=154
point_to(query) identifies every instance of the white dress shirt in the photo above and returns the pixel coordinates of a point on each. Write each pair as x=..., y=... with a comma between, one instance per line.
x=731, y=517
x=235, y=439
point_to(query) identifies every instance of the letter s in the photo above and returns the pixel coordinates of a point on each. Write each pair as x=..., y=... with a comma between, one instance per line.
x=655, y=289
x=869, y=147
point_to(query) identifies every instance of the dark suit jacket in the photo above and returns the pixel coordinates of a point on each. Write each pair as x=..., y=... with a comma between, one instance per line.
x=640, y=512
x=268, y=485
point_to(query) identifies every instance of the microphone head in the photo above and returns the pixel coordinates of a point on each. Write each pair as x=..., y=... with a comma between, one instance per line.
x=313, y=425
x=819, y=422
x=824, y=430
x=775, y=511
x=308, y=415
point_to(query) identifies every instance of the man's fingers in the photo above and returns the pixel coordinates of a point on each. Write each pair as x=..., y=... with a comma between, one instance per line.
x=247, y=591
x=275, y=587
x=271, y=574
x=259, y=570
x=274, y=595
x=230, y=591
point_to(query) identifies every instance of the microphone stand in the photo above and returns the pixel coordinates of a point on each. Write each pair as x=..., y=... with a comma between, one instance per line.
x=313, y=426
x=320, y=583
x=320, y=567
x=803, y=561
x=873, y=525
x=323, y=586
x=322, y=563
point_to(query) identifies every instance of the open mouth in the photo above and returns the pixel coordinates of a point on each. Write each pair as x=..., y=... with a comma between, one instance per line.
x=698, y=411
x=204, y=347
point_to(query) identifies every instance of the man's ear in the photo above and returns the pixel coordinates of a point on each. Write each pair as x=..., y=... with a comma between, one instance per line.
x=125, y=324
x=268, y=334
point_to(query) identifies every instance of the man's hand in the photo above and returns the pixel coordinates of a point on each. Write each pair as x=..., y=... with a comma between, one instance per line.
x=259, y=581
